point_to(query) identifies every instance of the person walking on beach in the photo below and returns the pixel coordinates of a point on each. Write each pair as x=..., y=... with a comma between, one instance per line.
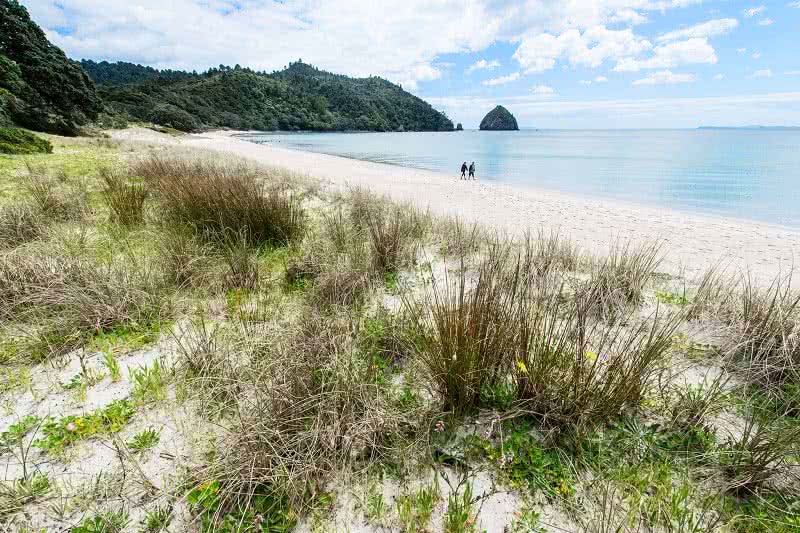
x=472, y=170
x=464, y=170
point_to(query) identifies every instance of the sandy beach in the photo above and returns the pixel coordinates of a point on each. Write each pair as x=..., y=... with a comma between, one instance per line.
x=692, y=242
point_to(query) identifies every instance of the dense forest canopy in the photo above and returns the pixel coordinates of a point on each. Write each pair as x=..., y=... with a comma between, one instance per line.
x=300, y=97
x=39, y=87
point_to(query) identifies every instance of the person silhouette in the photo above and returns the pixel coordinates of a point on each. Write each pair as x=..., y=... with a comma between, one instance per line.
x=472, y=170
x=464, y=170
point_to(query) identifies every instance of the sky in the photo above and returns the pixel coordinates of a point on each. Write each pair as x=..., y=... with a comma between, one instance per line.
x=552, y=63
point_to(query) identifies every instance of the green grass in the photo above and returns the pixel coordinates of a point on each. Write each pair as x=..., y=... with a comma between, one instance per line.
x=415, y=510
x=673, y=298
x=125, y=338
x=150, y=383
x=107, y=522
x=267, y=512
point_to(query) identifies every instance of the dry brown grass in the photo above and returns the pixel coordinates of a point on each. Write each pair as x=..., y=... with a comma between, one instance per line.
x=20, y=223
x=216, y=198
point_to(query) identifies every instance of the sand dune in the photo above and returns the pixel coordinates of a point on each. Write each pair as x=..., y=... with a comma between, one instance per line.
x=691, y=241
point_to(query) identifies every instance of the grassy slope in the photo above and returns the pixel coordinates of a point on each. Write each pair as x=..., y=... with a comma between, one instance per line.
x=308, y=376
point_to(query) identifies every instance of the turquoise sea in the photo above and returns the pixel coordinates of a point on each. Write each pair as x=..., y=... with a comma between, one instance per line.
x=752, y=174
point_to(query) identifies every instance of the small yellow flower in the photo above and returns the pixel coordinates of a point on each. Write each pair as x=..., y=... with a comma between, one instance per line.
x=591, y=356
x=522, y=367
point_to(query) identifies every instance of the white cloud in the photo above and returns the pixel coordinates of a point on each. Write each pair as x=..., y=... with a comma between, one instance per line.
x=794, y=4
x=764, y=73
x=766, y=22
x=628, y=16
x=756, y=55
x=741, y=50
x=585, y=82
x=601, y=79
x=719, y=76
x=753, y=11
x=542, y=89
x=712, y=28
x=666, y=77
x=398, y=39
x=792, y=72
x=691, y=51
x=483, y=65
x=502, y=80
x=540, y=52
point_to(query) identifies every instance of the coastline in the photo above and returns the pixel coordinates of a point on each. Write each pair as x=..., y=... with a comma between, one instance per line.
x=692, y=242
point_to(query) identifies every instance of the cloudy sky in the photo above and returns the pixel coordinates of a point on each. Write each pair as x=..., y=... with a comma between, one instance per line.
x=553, y=63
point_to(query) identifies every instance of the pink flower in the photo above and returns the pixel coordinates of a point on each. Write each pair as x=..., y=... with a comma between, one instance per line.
x=71, y=427
x=439, y=427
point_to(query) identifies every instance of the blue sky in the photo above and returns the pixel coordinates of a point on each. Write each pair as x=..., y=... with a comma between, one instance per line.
x=567, y=63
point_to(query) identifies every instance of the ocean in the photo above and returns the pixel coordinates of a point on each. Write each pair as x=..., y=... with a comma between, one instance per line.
x=750, y=174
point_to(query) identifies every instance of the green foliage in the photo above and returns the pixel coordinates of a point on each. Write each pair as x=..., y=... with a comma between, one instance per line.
x=14, y=495
x=671, y=298
x=51, y=92
x=298, y=98
x=144, y=440
x=526, y=463
x=460, y=517
x=158, y=519
x=268, y=512
x=17, y=431
x=125, y=337
x=112, y=365
x=107, y=522
x=17, y=141
x=769, y=512
x=149, y=383
x=57, y=434
x=415, y=510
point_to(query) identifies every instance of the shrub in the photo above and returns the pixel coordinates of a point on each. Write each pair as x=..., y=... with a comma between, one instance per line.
x=19, y=224
x=214, y=199
x=125, y=198
x=18, y=141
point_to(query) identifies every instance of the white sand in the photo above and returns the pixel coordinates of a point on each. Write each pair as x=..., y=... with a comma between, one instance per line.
x=691, y=241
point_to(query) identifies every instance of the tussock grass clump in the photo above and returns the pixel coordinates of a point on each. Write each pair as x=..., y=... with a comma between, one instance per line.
x=392, y=235
x=216, y=198
x=20, y=223
x=765, y=451
x=549, y=252
x=466, y=332
x=502, y=330
x=53, y=200
x=763, y=327
x=306, y=411
x=571, y=368
x=183, y=258
x=619, y=279
x=344, y=284
x=125, y=198
x=242, y=262
x=70, y=299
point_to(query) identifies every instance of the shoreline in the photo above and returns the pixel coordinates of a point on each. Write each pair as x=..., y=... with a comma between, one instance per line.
x=692, y=242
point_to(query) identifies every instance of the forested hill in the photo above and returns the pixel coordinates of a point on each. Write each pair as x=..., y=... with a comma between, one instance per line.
x=39, y=87
x=301, y=97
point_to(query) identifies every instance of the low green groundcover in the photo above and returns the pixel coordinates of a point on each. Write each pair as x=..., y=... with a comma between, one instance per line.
x=17, y=141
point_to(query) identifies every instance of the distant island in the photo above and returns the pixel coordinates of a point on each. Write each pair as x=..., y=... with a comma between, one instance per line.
x=755, y=127
x=499, y=119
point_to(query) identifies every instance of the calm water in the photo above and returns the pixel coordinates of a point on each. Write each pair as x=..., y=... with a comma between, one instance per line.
x=740, y=173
